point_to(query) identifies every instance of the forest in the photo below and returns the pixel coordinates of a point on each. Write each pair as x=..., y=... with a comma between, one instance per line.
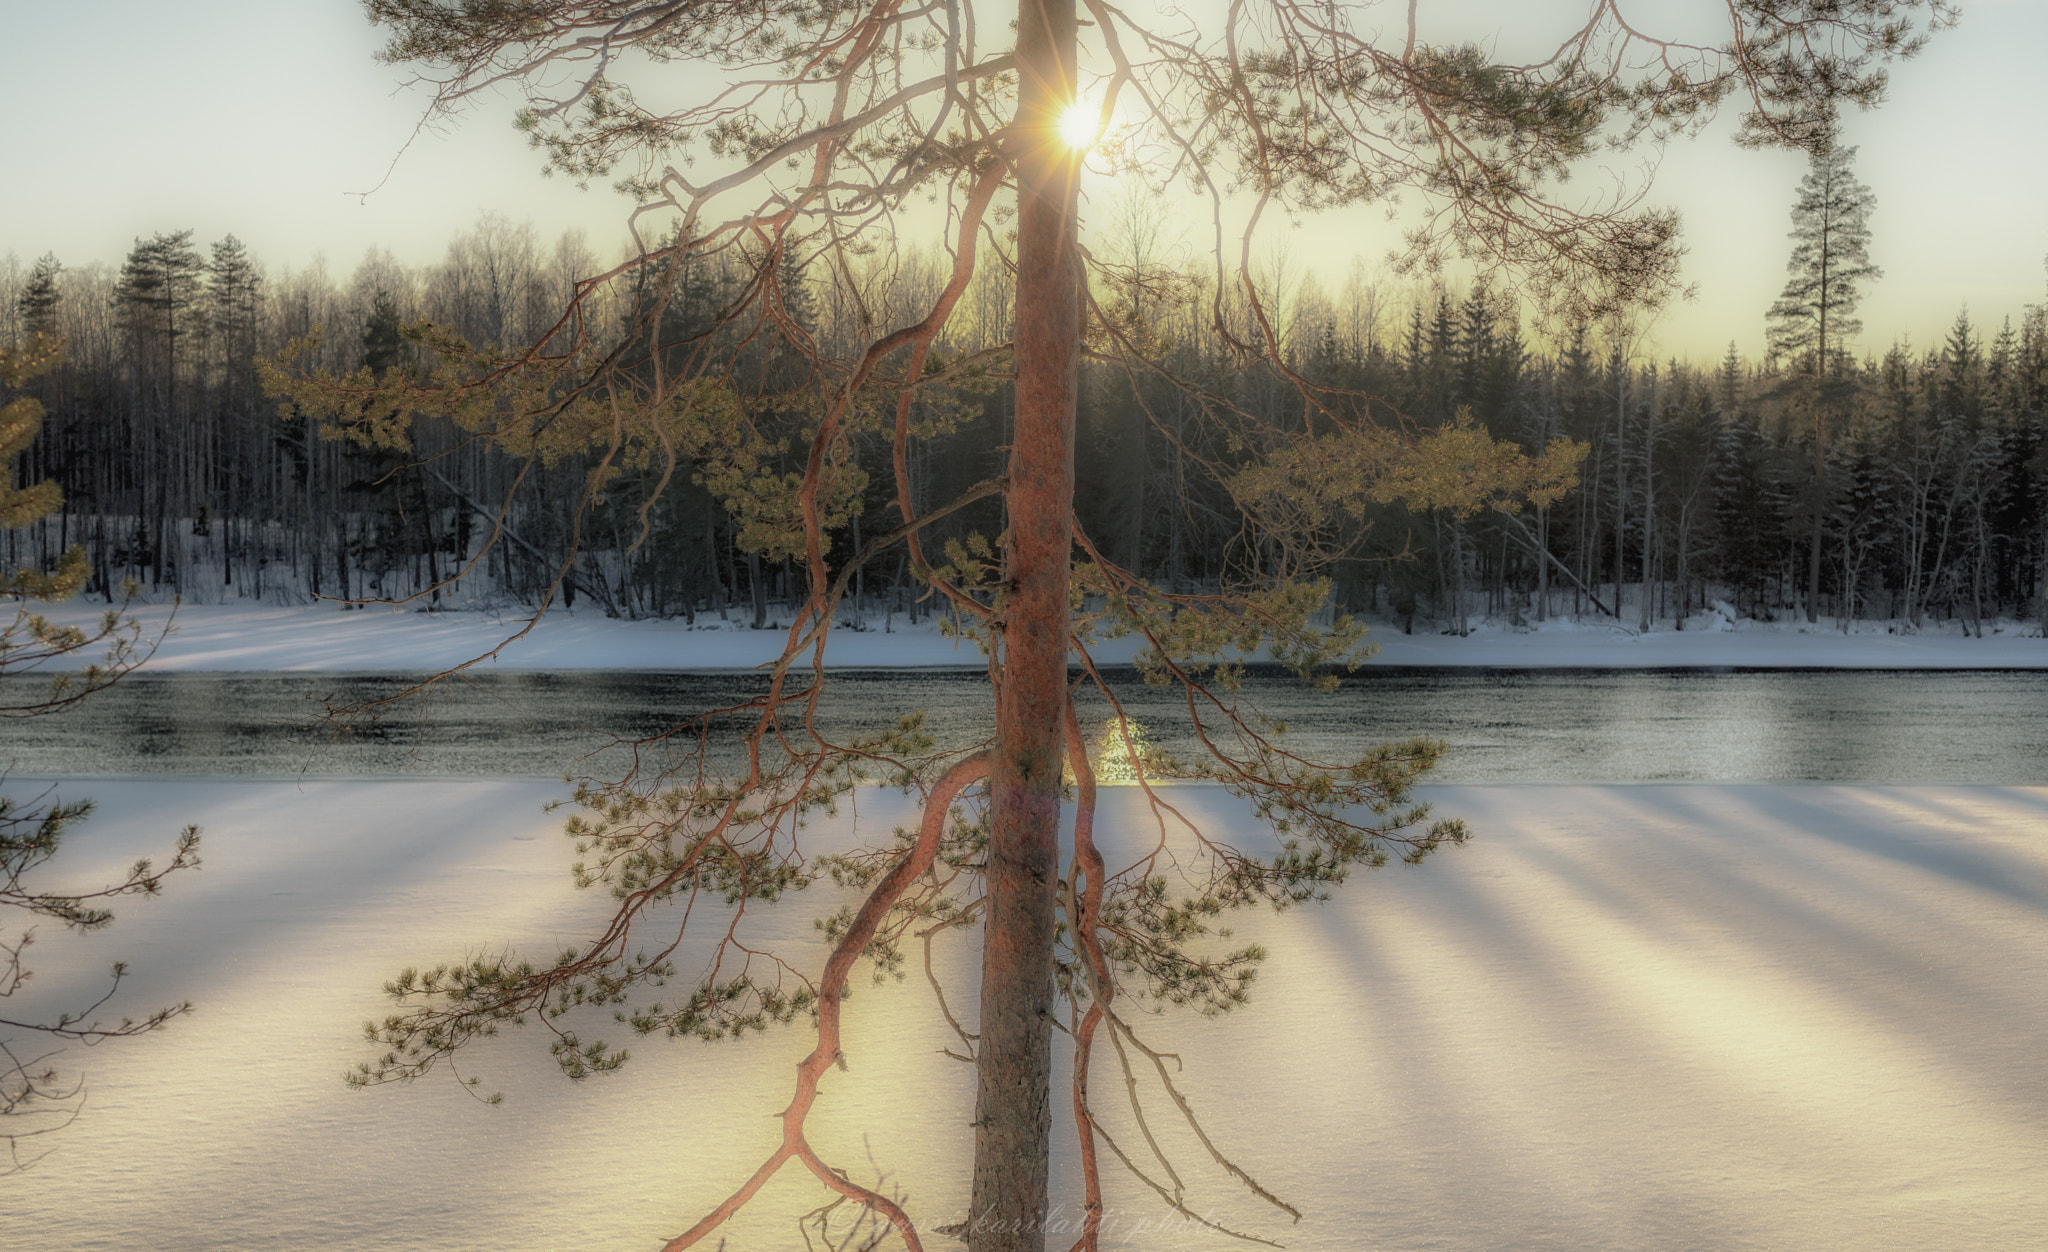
x=1907, y=486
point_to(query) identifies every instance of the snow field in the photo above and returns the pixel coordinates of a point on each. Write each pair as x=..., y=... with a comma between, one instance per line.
x=245, y=637
x=1642, y=1017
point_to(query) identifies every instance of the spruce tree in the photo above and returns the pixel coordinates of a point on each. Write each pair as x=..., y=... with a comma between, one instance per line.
x=1728, y=381
x=1962, y=382
x=383, y=346
x=157, y=294
x=233, y=299
x=40, y=298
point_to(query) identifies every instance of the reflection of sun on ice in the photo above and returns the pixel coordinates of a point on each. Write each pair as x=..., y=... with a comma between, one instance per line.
x=1081, y=124
x=1120, y=750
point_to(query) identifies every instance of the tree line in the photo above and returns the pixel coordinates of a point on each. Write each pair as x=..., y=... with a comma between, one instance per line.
x=1909, y=487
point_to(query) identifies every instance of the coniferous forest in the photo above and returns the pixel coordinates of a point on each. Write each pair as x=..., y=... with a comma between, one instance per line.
x=1906, y=484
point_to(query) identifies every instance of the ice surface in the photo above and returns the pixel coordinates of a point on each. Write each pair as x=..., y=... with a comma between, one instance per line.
x=1647, y=1017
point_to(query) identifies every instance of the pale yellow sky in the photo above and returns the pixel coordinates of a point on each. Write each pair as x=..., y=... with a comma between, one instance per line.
x=256, y=117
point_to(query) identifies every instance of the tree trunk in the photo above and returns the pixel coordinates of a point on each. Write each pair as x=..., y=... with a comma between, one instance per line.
x=2041, y=580
x=1620, y=480
x=313, y=505
x=1820, y=440
x=760, y=592
x=1820, y=495
x=1013, y=1107
x=1646, y=611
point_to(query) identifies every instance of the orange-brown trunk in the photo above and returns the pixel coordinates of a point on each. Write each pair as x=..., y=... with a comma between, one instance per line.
x=1013, y=1109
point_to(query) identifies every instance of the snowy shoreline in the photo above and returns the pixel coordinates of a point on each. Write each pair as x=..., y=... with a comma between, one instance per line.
x=250, y=638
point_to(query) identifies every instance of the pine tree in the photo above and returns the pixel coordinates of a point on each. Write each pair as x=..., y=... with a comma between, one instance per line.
x=34, y=1099
x=1830, y=263
x=159, y=285
x=21, y=420
x=1829, y=266
x=884, y=103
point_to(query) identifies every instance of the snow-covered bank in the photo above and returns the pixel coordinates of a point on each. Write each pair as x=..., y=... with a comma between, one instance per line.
x=1628, y=1018
x=1715, y=642
x=321, y=637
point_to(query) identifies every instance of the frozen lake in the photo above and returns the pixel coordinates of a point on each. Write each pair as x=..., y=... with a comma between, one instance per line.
x=1670, y=1017
x=1702, y=1011
x=1527, y=725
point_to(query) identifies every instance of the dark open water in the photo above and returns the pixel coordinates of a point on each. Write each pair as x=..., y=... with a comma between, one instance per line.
x=1504, y=725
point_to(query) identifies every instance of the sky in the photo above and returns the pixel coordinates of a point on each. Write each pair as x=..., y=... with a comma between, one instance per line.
x=260, y=118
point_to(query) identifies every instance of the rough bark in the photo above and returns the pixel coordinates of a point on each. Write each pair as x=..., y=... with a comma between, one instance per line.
x=1013, y=1107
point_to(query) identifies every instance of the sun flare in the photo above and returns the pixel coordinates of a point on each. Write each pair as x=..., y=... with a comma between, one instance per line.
x=1081, y=124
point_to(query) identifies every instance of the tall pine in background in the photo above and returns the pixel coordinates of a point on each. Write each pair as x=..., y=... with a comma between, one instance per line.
x=1830, y=263
x=159, y=287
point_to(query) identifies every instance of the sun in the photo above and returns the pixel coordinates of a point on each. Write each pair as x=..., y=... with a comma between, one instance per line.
x=1081, y=124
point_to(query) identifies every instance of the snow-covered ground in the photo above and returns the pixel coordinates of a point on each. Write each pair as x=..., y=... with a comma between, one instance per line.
x=1641, y=1017
x=322, y=637
x=1628, y=1018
